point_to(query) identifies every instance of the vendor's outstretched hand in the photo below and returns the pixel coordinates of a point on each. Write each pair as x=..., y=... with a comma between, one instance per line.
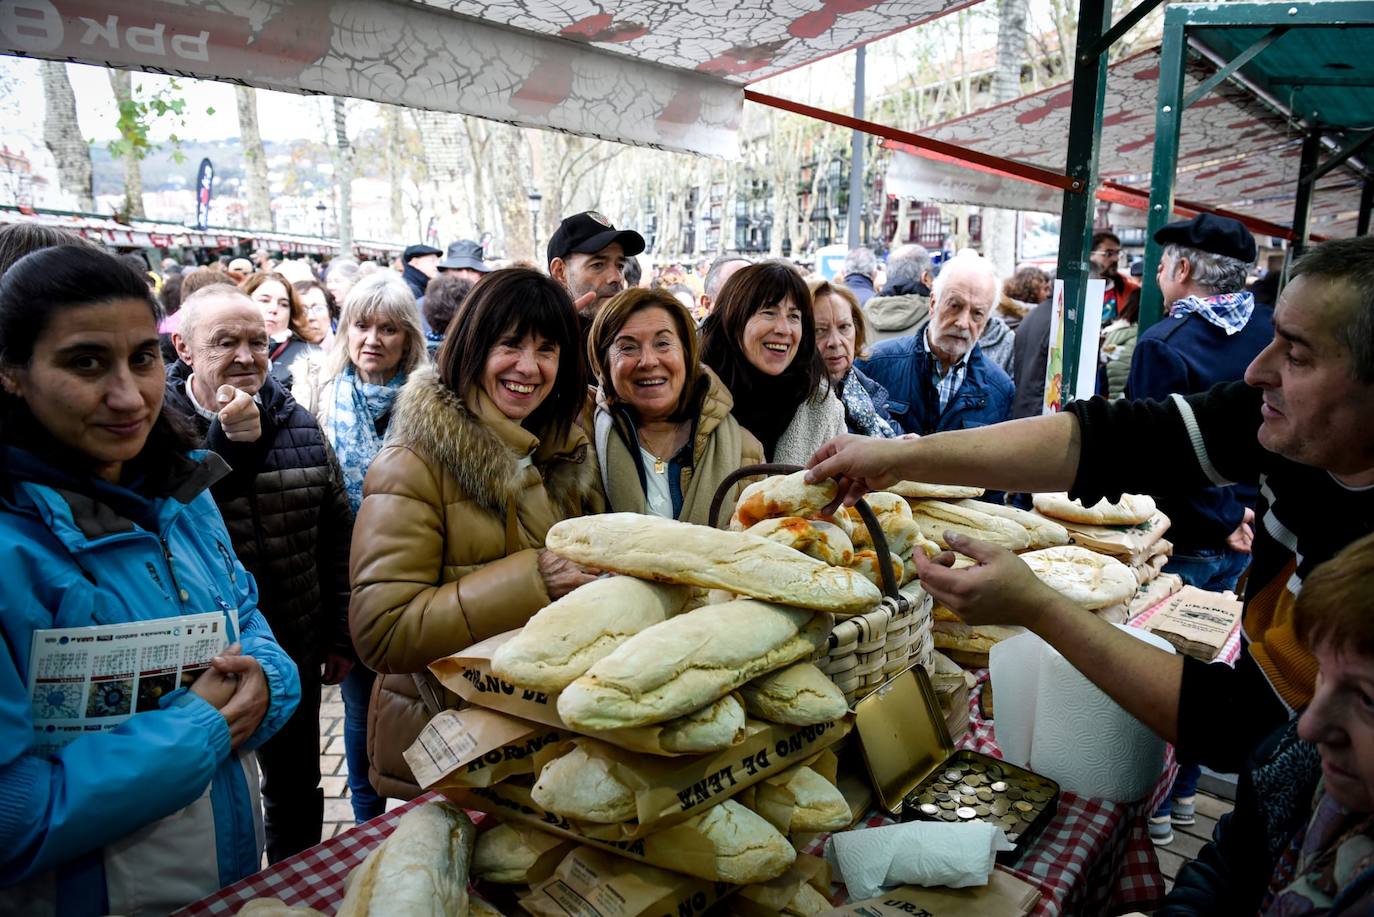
x=998, y=589
x=858, y=464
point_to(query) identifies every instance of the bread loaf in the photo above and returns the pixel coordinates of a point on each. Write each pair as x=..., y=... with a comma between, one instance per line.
x=712, y=728
x=1044, y=532
x=583, y=786
x=822, y=540
x=807, y=902
x=1132, y=509
x=865, y=563
x=275, y=907
x=915, y=490
x=689, y=661
x=516, y=854
x=799, y=695
x=738, y=562
x=816, y=803
x=781, y=495
x=1084, y=577
x=747, y=848
x=422, y=868
x=904, y=537
x=563, y=639
x=935, y=517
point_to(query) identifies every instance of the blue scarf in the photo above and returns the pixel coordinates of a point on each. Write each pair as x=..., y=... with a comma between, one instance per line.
x=859, y=410
x=1228, y=311
x=357, y=405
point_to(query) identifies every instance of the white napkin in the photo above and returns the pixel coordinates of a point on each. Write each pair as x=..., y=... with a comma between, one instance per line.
x=914, y=853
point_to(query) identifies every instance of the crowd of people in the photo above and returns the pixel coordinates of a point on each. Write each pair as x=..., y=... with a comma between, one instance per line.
x=362, y=463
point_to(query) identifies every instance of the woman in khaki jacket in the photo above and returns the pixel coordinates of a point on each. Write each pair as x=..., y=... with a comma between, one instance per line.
x=483, y=455
x=664, y=435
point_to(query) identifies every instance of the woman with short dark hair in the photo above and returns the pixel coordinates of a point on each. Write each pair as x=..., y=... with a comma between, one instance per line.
x=483, y=456
x=106, y=518
x=664, y=435
x=760, y=339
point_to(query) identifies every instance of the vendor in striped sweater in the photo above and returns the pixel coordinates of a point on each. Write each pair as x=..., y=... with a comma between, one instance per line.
x=1300, y=428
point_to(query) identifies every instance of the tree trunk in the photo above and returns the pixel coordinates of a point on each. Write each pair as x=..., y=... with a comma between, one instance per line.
x=62, y=135
x=343, y=172
x=395, y=175
x=511, y=164
x=254, y=159
x=999, y=226
x=122, y=84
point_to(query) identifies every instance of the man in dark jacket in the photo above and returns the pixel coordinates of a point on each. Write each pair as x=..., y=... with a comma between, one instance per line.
x=860, y=267
x=288, y=516
x=939, y=379
x=421, y=265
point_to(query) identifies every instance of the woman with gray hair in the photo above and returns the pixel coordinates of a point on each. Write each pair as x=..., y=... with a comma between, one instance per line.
x=350, y=390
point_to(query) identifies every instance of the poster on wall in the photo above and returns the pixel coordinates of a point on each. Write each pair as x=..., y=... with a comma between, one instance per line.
x=1055, y=397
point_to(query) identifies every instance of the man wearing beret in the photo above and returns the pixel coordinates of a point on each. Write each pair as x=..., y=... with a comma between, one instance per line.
x=419, y=264
x=1210, y=333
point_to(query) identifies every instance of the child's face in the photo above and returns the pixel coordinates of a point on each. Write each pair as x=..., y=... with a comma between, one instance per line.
x=1340, y=721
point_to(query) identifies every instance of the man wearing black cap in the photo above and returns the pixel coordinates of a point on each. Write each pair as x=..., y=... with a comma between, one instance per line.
x=421, y=263
x=466, y=259
x=1210, y=333
x=587, y=255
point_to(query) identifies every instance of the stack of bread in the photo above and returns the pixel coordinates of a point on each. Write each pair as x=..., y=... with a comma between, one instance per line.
x=864, y=650
x=1131, y=531
x=651, y=682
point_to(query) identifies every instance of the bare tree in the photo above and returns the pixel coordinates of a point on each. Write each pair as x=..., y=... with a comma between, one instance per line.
x=510, y=168
x=999, y=226
x=395, y=174
x=254, y=159
x=62, y=135
x=343, y=172
x=121, y=82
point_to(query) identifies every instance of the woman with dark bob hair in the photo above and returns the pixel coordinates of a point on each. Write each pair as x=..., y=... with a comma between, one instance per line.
x=483, y=456
x=664, y=435
x=106, y=518
x=761, y=341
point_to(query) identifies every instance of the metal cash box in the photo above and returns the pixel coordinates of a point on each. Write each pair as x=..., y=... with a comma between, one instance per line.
x=919, y=775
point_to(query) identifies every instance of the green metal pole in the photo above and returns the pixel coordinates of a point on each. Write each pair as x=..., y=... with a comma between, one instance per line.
x=1173, y=56
x=1366, y=205
x=1076, y=226
x=1302, y=206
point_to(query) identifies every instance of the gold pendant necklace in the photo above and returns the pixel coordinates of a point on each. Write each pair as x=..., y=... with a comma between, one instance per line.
x=660, y=466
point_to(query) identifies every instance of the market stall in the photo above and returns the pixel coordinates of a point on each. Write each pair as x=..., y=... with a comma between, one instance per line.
x=727, y=718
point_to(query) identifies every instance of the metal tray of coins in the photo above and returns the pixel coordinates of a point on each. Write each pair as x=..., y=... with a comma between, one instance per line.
x=919, y=775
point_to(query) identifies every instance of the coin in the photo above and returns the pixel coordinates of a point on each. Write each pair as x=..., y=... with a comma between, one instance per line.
x=982, y=810
x=1000, y=807
x=1024, y=807
x=1014, y=793
x=999, y=787
x=965, y=789
x=984, y=794
x=929, y=810
x=1038, y=796
x=975, y=781
x=969, y=799
x=948, y=815
x=952, y=775
x=965, y=813
x=948, y=804
x=926, y=798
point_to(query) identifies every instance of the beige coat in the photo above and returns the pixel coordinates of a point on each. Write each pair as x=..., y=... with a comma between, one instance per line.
x=445, y=546
x=719, y=447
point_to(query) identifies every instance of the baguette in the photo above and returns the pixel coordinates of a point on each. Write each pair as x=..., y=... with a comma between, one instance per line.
x=513, y=853
x=564, y=638
x=689, y=661
x=781, y=495
x=747, y=848
x=715, y=727
x=814, y=803
x=799, y=695
x=422, y=868
x=935, y=517
x=1044, y=532
x=737, y=562
x=822, y=540
x=582, y=786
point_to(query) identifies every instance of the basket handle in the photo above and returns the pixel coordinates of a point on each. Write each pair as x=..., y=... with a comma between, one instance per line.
x=875, y=531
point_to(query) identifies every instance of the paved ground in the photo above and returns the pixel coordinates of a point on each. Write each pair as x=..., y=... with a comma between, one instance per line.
x=338, y=813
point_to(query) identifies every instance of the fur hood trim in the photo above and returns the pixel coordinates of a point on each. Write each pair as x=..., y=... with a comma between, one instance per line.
x=429, y=418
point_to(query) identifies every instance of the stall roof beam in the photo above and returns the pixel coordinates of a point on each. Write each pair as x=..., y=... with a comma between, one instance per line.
x=1115, y=33
x=1350, y=149
x=1302, y=207
x=1366, y=205
x=1240, y=60
x=1322, y=14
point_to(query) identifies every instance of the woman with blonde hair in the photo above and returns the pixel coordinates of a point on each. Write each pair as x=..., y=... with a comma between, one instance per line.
x=665, y=437
x=840, y=337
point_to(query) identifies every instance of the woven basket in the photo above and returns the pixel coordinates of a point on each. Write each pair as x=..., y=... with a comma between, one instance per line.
x=865, y=650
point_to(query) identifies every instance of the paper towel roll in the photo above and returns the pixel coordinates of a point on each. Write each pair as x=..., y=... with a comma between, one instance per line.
x=914, y=853
x=1015, y=671
x=1084, y=740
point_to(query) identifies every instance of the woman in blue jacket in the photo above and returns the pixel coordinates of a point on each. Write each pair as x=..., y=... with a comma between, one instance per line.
x=106, y=518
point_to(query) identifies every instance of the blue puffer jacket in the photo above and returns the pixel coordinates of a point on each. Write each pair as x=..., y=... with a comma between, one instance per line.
x=902, y=366
x=86, y=830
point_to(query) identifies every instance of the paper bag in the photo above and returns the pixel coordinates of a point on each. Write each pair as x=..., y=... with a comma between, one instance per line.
x=1120, y=541
x=1198, y=623
x=476, y=747
x=590, y=883
x=1003, y=896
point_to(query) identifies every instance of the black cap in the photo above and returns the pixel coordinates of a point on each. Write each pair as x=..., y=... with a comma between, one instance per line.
x=1211, y=233
x=465, y=253
x=415, y=251
x=590, y=232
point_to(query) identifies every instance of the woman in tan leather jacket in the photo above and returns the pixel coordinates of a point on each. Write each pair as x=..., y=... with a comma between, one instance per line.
x=483, y=455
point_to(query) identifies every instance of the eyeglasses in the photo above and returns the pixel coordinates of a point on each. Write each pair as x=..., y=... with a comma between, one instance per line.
x=1109, y=252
